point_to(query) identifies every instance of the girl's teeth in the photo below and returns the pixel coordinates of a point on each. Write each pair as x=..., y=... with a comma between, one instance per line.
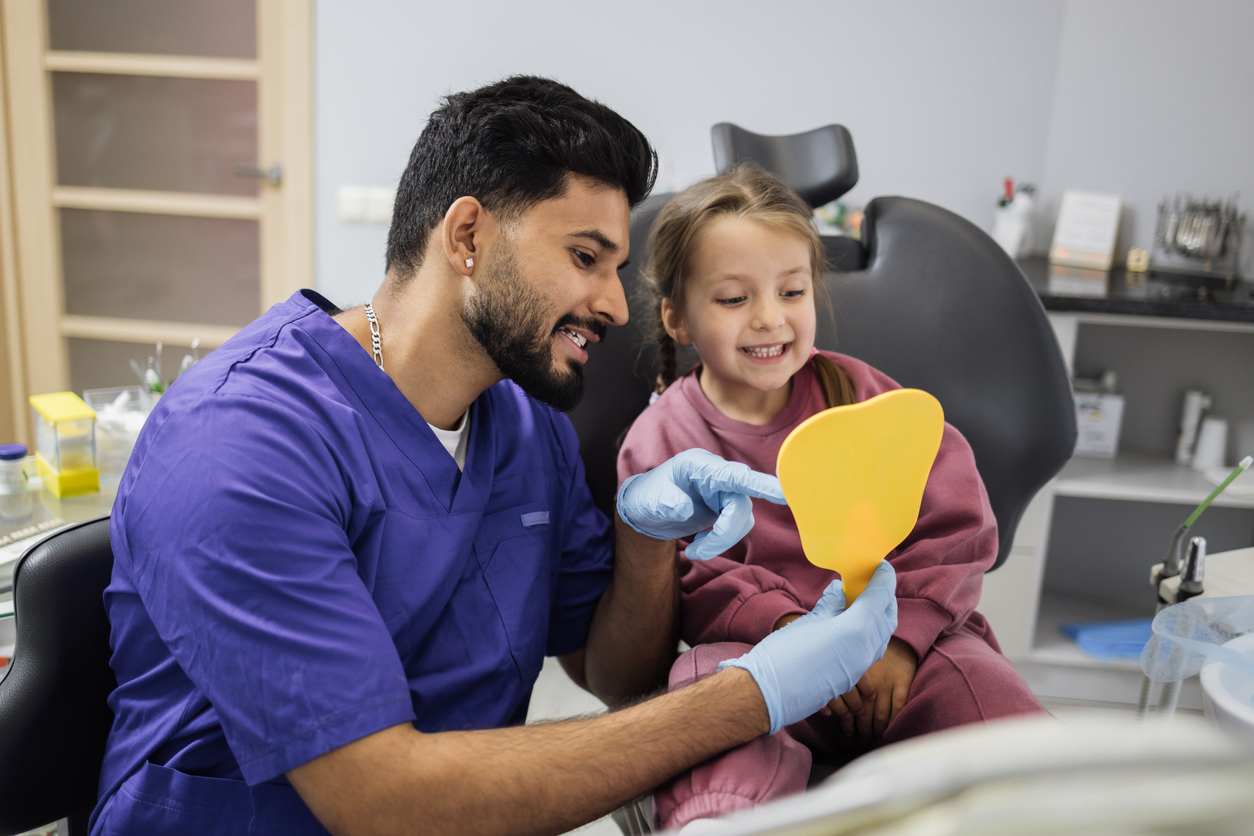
x=763, y=353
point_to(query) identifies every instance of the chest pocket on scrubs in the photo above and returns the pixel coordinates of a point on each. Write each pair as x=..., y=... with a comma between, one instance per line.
x=514, y=550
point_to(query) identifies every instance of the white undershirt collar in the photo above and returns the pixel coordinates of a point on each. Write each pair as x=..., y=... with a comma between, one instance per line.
x=454, y=440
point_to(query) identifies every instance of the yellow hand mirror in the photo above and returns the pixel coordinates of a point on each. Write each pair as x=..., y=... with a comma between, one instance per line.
x=854, y=478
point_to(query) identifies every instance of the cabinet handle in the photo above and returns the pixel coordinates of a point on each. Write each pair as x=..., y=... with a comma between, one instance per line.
x=272, y=175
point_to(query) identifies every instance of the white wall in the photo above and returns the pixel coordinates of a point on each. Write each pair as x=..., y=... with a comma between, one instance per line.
x=1154, y=97
x=1140, y=97
x=943, y=99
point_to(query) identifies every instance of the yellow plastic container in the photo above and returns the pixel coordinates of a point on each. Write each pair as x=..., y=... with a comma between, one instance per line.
x=854, y=478
x=65, y=443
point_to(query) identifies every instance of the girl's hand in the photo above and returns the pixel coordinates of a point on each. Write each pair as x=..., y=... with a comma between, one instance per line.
x=849, y=707
x=870, y=706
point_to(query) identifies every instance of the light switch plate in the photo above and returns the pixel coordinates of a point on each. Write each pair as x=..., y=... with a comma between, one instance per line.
x=365, y=204
x=350, y=203
x=379, y=200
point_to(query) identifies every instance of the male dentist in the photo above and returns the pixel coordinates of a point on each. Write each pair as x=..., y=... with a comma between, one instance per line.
x=347, y=540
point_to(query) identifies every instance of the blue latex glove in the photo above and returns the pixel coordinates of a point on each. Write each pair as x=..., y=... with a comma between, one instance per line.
x=823, y=654
x=692, y=491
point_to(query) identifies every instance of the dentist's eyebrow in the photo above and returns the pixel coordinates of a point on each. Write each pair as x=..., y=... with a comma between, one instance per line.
x=599, y=238
x=602, y=240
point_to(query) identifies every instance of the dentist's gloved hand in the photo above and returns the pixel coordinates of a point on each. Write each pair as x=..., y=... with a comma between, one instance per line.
x=823, y=654
x=692, y=491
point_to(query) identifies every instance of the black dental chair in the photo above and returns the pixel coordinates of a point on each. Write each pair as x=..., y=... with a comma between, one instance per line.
x=925, y=296
x=54, y=718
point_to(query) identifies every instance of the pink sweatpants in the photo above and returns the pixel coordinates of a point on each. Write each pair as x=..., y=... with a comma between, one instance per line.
x=961, y=680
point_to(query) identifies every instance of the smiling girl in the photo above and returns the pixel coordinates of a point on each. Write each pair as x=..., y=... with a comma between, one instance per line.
x=733, y=270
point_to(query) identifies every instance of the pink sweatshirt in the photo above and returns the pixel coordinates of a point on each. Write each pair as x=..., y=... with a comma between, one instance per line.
x=740, y=595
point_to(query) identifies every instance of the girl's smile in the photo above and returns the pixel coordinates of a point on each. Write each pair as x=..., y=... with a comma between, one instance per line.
x=767, y=353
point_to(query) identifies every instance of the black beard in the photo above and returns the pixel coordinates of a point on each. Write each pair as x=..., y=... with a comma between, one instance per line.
x=508, y=319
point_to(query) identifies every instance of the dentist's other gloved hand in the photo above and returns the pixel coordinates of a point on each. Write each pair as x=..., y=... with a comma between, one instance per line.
x=823, y=654
x=692, y=491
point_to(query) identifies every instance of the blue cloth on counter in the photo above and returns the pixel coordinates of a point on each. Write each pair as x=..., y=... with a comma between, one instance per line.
x=299, y=563
x=1110, y=639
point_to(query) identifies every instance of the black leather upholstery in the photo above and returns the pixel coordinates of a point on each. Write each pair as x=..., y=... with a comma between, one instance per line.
x=54, y=718
x=820, y=165
x=937, y=306
x=941, y=307
x=620, y=372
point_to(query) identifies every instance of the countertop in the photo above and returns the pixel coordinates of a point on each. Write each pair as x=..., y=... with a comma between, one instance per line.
x=1158, y=293
x=28, y=517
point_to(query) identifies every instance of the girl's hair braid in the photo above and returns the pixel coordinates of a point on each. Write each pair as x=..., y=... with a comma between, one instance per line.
x=837, y=386
x=669, y=353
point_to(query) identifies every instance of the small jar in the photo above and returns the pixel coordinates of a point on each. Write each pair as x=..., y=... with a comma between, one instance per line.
x=12, y=468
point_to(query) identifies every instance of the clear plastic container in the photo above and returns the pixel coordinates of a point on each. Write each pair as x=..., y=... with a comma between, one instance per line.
x=68, y=444
x=65, y=443
x=120, y=414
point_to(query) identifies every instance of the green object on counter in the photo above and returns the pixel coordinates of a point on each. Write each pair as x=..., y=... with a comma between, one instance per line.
x=1236, y=471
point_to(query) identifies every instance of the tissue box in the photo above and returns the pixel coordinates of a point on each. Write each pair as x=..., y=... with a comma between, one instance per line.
x=1097, y=417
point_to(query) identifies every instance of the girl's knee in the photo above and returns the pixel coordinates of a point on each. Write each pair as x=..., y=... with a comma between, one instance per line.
x=702, y=661
x=962, y=685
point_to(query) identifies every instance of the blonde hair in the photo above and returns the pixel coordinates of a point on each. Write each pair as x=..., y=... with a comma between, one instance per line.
x=744, y=192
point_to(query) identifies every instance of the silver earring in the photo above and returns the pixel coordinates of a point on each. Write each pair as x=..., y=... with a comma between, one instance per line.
x=470, y=262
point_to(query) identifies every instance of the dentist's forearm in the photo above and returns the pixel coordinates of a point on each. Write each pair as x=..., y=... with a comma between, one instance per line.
x=633, y=637
x=538, y=779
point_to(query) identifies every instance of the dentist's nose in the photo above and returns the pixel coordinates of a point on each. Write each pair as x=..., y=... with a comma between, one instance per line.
x=610, y=302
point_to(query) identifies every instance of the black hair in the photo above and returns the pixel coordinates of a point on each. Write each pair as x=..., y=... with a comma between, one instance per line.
x=511, y=145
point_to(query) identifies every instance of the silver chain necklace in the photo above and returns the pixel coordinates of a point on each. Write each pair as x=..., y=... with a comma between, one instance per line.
x=375, y=342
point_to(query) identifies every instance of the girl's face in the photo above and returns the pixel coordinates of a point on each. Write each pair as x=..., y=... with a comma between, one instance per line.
x=749, y=310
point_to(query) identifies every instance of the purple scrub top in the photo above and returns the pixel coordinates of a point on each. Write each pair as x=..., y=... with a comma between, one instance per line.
x=299, y=564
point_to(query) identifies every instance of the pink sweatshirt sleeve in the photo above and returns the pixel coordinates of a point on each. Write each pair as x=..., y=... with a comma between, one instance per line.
x=941, y=564
x=727, y=601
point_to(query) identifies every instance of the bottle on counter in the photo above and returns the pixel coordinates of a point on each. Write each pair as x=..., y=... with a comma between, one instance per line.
x=12, y=468
x=16, y=505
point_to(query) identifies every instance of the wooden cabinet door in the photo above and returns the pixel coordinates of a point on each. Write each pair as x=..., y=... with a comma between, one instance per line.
x=161, y=168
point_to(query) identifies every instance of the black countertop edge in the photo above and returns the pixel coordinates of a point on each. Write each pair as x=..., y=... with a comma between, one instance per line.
x=1136, y=307
x=1156, y=294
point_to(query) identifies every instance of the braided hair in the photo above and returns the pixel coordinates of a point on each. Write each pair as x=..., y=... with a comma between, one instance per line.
x=668, y=351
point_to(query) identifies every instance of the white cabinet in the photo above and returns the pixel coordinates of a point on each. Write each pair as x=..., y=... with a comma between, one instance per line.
x=1087, y=542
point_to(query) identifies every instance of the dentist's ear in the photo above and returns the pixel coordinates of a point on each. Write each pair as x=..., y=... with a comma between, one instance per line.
x=673, y=322
x=466, y=230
